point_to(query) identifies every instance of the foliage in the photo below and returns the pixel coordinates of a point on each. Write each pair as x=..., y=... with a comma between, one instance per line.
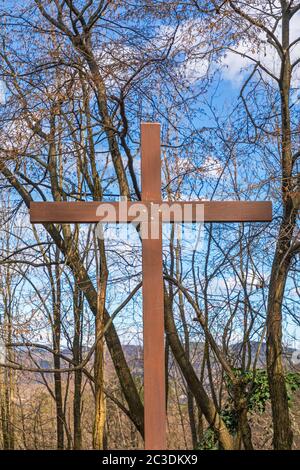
x=292, y=384
x=257, y=386
x=208, y=442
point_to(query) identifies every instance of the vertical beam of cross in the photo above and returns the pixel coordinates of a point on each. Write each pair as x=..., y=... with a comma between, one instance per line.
x=153, y=297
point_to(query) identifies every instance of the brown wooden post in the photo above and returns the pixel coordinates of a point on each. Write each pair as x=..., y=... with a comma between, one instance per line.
x=153, y=297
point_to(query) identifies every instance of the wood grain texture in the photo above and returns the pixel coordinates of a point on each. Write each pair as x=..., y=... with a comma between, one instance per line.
x=153, y=299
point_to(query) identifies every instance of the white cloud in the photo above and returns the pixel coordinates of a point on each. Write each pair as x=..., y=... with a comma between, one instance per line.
x=212, y=167
x=234, y=65
x=2, y=92
x=235, y=62
x=194, y=69
x=15, y=135
x=192, y=42
x=188, y=50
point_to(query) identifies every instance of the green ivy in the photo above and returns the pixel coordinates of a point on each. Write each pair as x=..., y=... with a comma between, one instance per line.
x=259, y=393
x=292, y=380
x=257, y=387
x=208, y=442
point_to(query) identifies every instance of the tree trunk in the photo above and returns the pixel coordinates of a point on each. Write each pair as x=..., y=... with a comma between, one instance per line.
x=201, y=397
x=100, y=405
x=240, y=404
x=283, y=435
x=77, y=356
x=56, y=358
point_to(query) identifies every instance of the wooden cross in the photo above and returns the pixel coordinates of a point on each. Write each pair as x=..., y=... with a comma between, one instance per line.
x=153, y=290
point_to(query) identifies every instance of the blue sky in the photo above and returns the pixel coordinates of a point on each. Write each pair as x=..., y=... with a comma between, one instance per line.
x=225, y=89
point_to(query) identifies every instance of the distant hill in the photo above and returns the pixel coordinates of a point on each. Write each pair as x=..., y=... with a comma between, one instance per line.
x=134, y=356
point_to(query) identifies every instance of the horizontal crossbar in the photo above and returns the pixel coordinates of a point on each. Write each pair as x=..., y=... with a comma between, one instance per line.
x=125, y=212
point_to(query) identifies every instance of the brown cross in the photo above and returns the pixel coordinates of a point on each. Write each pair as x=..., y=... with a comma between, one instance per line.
x=153, y=290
